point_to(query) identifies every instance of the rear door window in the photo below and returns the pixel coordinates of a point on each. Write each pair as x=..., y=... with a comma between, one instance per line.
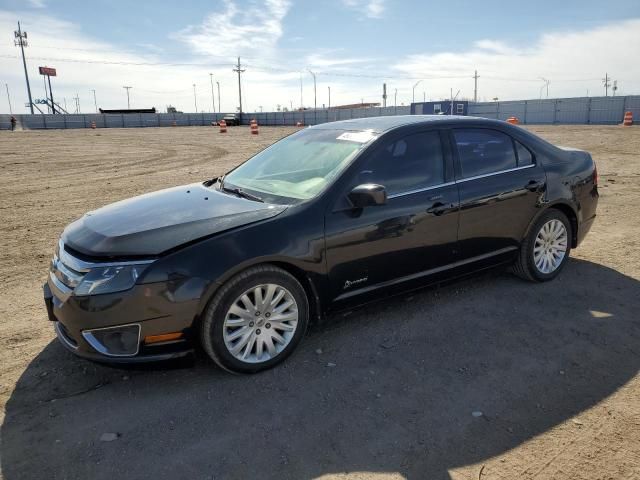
x=524, y=155
x=483, y=151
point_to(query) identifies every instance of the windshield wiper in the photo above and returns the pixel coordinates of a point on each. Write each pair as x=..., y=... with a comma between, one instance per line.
x=241, y=193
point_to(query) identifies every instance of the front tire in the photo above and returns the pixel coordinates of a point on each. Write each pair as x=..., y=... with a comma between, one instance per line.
x=255, y=320
x=545, y=250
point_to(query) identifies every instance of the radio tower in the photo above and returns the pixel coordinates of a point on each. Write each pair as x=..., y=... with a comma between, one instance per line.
x=21, y=41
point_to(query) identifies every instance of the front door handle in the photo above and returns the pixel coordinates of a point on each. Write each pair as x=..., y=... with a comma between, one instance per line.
x=534, y=186
x=437, y=208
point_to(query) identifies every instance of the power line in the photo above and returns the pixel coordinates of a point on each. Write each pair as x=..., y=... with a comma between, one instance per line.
x=290, y=71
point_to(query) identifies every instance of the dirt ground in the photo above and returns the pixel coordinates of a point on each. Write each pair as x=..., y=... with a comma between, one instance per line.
x=385, y=392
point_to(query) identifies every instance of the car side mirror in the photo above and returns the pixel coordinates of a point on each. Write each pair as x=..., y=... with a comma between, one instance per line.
x=368, y=195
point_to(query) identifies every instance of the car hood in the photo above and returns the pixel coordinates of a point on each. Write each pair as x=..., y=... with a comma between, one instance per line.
x=151, y=224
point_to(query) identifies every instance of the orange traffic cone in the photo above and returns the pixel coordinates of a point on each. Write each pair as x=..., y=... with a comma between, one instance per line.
x=223, y=126
x=254, y=127
x=628, y=119
x=513, y=120
x=93, y=124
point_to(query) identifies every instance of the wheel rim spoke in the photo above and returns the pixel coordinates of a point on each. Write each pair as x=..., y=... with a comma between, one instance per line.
x=260, y=323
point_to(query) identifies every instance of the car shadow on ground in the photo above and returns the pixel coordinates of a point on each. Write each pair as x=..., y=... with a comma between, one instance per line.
x=388, y=388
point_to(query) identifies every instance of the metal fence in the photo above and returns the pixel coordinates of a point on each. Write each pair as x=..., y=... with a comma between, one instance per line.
x=584, y=110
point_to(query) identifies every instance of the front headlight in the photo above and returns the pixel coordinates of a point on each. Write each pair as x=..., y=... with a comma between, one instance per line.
x=109, y=279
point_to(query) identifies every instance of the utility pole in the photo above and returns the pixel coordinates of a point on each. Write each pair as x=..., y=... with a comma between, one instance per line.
x=475, y=87
x=395, y=102
x=128, y=104
x=239, y=71
x=413, y=98
x=424, y=96
x=615, y=87
x=606, y=84
x=329, y=87
x=213, y=97
x=384, y=95
x=8, y=98
x=219, y=101
x=95, y=102
x=21, y=41
x=195, y=98
x=77, y=99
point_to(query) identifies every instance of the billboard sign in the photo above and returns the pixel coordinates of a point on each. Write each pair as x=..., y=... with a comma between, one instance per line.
x=47, y=71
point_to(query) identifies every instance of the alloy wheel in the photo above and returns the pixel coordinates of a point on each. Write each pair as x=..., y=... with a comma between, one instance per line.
x=550, y=246
x=260, y=323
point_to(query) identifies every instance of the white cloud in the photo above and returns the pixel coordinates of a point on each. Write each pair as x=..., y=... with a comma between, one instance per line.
x=236, y=30
x=574, y=62
x=368, y=8
x=36, y=3
x=329, y=59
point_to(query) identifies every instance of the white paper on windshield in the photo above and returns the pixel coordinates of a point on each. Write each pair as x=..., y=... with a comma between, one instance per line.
x=358, y=137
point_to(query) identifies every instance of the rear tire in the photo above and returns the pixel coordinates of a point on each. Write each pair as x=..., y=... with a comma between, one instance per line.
x=545, y=250
x=255, y=320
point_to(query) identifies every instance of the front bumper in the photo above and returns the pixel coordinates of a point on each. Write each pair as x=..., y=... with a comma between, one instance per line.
x=143, y=311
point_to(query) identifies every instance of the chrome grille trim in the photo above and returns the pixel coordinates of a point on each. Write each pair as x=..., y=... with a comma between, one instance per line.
x=82, y=266
x=64, y=274
x=99, y=347
x=63, y=336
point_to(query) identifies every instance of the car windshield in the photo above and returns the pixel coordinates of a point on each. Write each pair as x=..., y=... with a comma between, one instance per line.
x=301, y=165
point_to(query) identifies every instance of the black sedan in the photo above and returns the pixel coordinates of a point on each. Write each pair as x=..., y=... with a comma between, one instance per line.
x=330, y=217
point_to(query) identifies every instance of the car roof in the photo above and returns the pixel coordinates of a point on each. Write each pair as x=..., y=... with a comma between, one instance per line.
x=384, y=124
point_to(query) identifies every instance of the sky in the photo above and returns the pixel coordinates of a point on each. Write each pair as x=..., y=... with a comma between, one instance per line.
x=420, y=49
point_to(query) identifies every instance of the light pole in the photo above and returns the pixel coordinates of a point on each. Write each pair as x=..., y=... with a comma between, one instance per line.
x=395, y=102
x=219, y=101
x=127, y=89
x=546, y=84
x=301, y=104
x=413, y=97
x=315, y=104
x=95, y=102
x=195, y=98
x=213, y=97
x=329, y=87
x=8, y=98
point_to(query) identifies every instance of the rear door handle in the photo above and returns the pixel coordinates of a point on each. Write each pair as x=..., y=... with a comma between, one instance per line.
x=437, y=208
